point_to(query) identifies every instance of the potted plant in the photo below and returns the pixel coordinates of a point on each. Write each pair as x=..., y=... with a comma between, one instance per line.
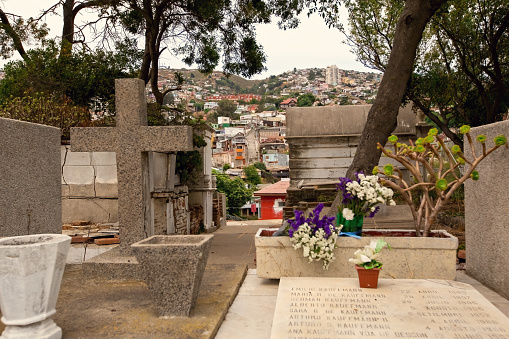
x=367, y=264
x=435, y=171
x=360, y=197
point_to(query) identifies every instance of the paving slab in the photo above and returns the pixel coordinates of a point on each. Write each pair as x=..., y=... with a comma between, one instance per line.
x=91, y=307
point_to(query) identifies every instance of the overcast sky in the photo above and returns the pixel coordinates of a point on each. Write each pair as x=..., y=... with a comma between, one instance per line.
x=313, y=44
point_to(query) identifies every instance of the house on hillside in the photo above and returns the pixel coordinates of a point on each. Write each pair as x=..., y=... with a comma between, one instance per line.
x=272, y=199
x=291, y=102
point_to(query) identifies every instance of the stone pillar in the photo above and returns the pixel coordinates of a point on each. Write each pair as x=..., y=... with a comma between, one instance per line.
x=487, y=213
x=30, y=185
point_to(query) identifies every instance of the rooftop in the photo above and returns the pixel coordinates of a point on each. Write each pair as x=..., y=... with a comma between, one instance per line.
x=277, y=188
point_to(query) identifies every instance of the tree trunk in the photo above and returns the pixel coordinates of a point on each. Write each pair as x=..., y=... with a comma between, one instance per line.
x=18, y=44
x=382, y=117
x=68, y=25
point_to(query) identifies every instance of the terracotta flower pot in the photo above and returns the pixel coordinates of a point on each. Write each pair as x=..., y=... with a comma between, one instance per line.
x=368, y=278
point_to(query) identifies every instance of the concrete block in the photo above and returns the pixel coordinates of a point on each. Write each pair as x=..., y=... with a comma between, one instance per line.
x=339, y=120
x=487, y=213
x=410, y=257
x=108, y=191
x=78, y=175
x=173, y=268
x=82, y=191
x=104, y=158
x=30, y=184
x=95, y=210
x=77, y=159
x=106, y=174
x=131, y=139
x=65, y=190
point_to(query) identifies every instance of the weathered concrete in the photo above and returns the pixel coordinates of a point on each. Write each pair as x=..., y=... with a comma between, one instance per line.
x=172, y=267
x=132, y=139
x=91, y=307
x=410, y=257
x=487, y=213
x=30, y=192
x=32, y=269
x=323, y=140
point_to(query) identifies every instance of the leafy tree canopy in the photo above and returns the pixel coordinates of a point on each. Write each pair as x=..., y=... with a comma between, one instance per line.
x=252, y=176
x=237, y=195
x=305, y=100
x=86, y=78
x=460, y=72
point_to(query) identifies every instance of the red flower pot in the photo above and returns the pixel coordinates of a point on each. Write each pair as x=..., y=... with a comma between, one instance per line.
x=368, y=278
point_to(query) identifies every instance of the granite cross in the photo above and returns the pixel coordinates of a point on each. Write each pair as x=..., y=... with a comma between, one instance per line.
x=132, y=139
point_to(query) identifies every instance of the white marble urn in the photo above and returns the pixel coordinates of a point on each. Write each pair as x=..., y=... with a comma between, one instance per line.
x=31, y=269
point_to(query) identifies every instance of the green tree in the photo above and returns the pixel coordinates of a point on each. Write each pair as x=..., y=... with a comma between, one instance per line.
x=226, y=167
x=460, y=70
x=235, y=190
x=85, y=77
x=226, y=108
x=202, y=32
x=45, y=109
x=252, y=176
x=306, y=100
x=382, y=117
x=312, y=75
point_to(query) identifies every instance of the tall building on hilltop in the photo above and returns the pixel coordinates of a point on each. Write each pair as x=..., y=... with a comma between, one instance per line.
x=332, y=75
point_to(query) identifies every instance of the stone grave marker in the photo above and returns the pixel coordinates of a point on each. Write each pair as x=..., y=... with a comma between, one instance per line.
x=322, y=308
x=30, y=184
x=132, y=139
x=487, y=213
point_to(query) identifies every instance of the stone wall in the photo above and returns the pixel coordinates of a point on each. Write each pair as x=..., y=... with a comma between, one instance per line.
x=89, y=186
x=30, y=200
x=219, y=209
x=487, y=214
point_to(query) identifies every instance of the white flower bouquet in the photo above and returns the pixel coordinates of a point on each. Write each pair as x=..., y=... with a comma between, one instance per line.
x=317, y=237
x=361, y=196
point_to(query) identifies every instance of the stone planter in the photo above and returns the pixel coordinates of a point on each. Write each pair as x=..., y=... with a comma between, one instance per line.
x=411, y=257
x=31, y=269
x=173, y=267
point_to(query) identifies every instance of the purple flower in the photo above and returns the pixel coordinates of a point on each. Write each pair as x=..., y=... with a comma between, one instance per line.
x=372, y=214
x=313, y=220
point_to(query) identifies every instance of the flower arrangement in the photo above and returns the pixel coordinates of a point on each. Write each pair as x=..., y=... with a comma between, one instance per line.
x=434, y=168
x=368, y=256
x=361, y=196
x=317, y=237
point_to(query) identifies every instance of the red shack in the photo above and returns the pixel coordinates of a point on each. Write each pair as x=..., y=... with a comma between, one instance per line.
x=272, y=199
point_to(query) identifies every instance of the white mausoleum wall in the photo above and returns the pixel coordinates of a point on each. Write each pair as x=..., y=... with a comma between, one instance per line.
x=89, y=186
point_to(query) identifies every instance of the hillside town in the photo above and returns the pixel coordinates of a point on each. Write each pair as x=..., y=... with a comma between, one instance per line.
x=249, y=116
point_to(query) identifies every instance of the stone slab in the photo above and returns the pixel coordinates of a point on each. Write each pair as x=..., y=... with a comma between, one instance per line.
x=30, y=186
x=487, y=213
x=89, y=307
x=410, y=257
x=338, y=308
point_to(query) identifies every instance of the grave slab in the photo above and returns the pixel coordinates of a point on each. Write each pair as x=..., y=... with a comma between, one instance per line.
x=30, y=185
x=404, y=308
